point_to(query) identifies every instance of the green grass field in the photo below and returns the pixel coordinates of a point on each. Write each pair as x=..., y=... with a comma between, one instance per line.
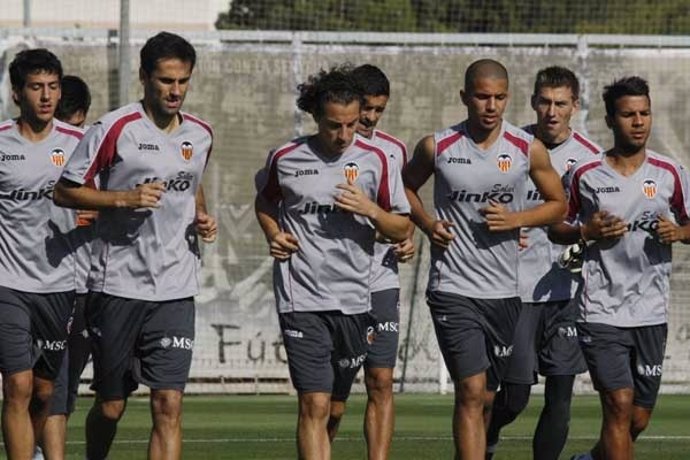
x=262, y=427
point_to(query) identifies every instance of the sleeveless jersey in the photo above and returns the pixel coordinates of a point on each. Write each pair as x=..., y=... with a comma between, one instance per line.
x=541, y=278
x=384, y=274
x=626, y=281
x=332, y=269
x=150, y=253
x=478, y=263
x=36, y=251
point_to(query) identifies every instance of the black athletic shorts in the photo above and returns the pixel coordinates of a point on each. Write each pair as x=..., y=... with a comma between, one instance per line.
x=545, y=342
x=138, y=341
x=326, y=349
x=385, y=307
x=66, y=385
x=630, y=357
x=33, y=331
x=475, y=335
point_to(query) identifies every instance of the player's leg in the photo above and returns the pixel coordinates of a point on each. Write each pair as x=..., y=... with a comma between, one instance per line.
x=554, y=420
x=560, y=359
x=164, y=351
x=607, y=350
x=337, y=410
x=309, y=345
x=379, y=419
x=114, y=324
x=520, y=375
x=469, y=432
x=17, y=430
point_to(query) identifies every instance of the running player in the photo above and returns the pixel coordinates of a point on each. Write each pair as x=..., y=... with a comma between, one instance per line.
x=323, y=199
x=379, y=417
x=545, y=337
x=72, y=109
x=481, y=167
x=37, y=265
x=628, y=204
x=150, y=158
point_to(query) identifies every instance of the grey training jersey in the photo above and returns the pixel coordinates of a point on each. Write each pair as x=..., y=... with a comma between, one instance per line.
x=384, y=273
x=626, y=281
x=478, y=263
x=36, y=247
x=541, y=278
x=332, y=269
x=148, y=254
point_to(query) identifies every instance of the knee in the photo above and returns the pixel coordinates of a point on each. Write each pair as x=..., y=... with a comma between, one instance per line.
x=315, y=406
x=42, y=391
x=471, y=393
x=18, y=388
x=166, y=404
x=638, y=426
x=379, y=384
x=618, y=404
x=337, y=411
x=112, y=410
x=516, y=398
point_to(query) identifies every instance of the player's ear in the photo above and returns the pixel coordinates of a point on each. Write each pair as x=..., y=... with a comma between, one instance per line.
x=463, y=96
x=609, y=122
x=143, y=76
x=533, y=101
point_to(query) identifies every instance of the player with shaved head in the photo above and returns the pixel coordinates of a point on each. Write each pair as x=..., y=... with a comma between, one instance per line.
x=481, y=167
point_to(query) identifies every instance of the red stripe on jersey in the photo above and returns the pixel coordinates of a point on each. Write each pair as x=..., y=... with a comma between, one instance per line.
x=586, y=143
x=70, y=132
x=271, y=190
x=383, y=197
x=447, y=141
x=396, y=141
x=522, y=144
x=574, y=201
x=108, y=150
x=677, y=198
x=203, y=124
x=6, y=126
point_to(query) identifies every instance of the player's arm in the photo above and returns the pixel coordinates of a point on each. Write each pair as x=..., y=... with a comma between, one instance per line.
x=206, y=225
x=70, y=194
x=354, y=200
x=551, y=211
x=281, y=244
x=670, y=232
x=416, y=173
x=600, y=226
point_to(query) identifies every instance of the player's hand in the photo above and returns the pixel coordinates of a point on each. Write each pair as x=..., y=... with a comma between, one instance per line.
x=499, y=218
x=206, y=227
x=404, y=251
x=353, y=199
x=668, y=232
x=603, y=225
x=440, y=233
x=86, y=217
x=523, y=241
x=282, y=245
x=146, y=195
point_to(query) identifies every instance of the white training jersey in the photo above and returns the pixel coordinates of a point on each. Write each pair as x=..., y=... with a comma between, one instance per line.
x=626, y=281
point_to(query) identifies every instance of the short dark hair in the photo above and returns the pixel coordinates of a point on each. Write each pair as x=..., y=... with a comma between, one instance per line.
x=626, y=86
x=165, y=45
x=372, y=80
x=334, y=85
x=556, y=77
x=484, y=68
x=32, y=61
x=75, y=96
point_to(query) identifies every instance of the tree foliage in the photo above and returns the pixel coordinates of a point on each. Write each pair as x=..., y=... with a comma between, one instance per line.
x=480, y=16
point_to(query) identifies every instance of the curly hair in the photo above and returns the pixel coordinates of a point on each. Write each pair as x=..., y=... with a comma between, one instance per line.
x=335, y=85
x=626, y=86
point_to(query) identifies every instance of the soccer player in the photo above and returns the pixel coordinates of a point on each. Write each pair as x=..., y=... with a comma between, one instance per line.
x=72, y=109
x=75, y=102
x=481, y=168
x=37, y=267
x=323, y=199
x=149, y=157
x=384, y=285
x=628, y=204
x=545, y=338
